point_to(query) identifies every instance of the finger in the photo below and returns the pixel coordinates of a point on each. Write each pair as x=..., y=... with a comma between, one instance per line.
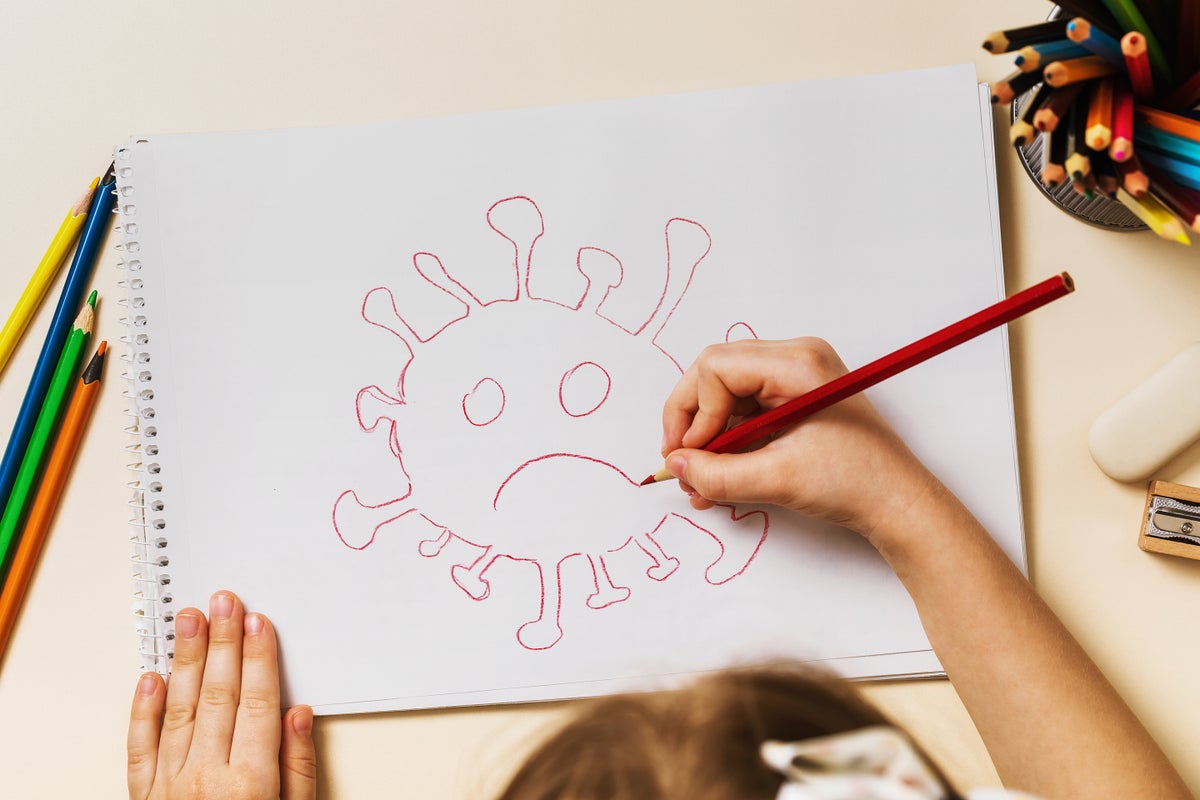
x=678, y=410
x=183, y=689
x=728, y=477
x=256, y=729
x=221, y=688
x=298, y=756
x=145, y=727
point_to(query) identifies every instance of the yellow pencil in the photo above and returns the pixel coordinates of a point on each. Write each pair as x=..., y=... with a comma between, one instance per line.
x=1150, y=211
x=43, y=276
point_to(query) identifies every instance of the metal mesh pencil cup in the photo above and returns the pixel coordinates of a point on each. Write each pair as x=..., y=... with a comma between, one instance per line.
x=1101, y=211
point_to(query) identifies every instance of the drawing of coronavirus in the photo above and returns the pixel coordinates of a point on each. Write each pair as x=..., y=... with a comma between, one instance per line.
x=520, y=402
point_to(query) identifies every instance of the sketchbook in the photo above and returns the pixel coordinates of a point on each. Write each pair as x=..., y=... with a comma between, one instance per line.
x=396, y=384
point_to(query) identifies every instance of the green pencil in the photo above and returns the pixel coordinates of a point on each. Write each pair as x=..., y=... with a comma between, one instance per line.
x=35, y=453
x=1130, y=18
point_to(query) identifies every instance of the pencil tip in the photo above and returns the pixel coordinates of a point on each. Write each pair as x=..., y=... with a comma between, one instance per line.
x=103, y=348
x=649, y=480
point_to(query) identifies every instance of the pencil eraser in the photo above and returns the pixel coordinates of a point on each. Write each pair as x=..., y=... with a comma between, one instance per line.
x=1153, y=423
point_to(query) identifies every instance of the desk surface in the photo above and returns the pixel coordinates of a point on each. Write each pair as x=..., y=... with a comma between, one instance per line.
x=164, y=67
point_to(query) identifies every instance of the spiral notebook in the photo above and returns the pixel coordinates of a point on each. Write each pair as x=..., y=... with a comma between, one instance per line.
x=395, y=384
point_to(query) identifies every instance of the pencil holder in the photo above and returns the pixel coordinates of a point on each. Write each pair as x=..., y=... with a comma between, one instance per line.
x=1100, y=210
x=1103, y=111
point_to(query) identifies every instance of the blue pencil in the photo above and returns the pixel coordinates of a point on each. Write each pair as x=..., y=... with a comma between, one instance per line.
x=1183, y=172
x=1169, y=143
x=1085, y=33
x=69, y=302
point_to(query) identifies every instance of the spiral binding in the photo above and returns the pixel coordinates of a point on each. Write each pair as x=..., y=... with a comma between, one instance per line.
x=152, y=603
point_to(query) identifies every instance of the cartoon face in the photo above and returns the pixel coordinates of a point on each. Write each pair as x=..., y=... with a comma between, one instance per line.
x=522, y=399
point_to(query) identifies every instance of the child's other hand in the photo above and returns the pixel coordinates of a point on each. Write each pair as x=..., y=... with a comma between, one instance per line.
x=844, y=464
x=215, y=731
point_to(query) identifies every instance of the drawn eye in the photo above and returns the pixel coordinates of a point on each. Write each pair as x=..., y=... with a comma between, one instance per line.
x=484, y=404
x=584, y=388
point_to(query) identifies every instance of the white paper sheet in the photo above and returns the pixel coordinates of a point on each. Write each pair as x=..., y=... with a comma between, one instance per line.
x=407, y=376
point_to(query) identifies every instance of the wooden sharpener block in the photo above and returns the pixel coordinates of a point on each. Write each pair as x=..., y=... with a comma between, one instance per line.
x=1171, y=523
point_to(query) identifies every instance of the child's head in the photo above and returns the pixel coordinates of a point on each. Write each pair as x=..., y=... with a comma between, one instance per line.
x=702, y=742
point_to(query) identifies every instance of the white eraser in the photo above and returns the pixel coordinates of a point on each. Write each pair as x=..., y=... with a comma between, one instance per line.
x=1153, y=423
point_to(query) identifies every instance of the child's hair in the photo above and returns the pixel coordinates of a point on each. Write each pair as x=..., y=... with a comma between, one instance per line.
x=701, y=742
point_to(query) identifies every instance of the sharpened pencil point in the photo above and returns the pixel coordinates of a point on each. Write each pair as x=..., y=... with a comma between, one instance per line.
x=649, y=480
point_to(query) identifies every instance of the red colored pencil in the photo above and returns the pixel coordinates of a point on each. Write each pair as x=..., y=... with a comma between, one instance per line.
x=1187, y=38
x=757, y=428
x=1122, y=133
x=1137, y=61
x=1185, y=97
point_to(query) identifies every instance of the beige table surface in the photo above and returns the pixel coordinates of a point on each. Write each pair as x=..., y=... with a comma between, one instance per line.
x=77, y=77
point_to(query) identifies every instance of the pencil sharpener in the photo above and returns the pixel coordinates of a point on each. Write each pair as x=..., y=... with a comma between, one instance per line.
x=1171, y=524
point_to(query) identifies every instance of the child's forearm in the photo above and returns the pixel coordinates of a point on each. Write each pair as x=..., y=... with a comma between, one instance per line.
x=1051, y=721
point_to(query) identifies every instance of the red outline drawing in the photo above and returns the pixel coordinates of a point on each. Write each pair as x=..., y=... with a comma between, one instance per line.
x=738, y=537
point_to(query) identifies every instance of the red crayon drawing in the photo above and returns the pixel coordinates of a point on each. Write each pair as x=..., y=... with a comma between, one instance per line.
x=515, y=455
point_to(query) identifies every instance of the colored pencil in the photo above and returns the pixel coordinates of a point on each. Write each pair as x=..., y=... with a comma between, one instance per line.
x=1182, y=172
x=1073, y=70
x=1083, y=32
x=44, y=275
x=1185, y=96
x=1015, y=38
x=1022, y=131
x=1037, y=56
x=1014, y=85
x=1175, y=146
x=1085, y=187
x=1095, y=12
x=764, y=425
x=1171, y=123
x=1054, y=151
x=1055, y=109
x=1079, y=161
x=1183, y=202
x=1121, y=147
x=1187, y=38
x=1155, y=215
x=1137, y=63
x=1130, y=19
x=1100, y=115
x=1133, y=178
x=35, y=453
x=71, y=297
x=45, y=503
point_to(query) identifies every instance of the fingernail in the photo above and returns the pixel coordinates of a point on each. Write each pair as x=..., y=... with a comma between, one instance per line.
x=677, y=466
x=302, y=722
x=221, y=606
x=187, y=626
x=254, y=624
x=147, y=685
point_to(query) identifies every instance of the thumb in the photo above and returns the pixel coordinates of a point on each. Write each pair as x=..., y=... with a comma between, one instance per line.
x=723, y=477
x=298, y=756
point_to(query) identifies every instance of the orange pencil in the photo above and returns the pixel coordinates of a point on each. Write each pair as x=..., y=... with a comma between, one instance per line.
x=1171, y=123
x=1073, y=70
x=1137, y=61
x=46, y=501
x=1100, y=115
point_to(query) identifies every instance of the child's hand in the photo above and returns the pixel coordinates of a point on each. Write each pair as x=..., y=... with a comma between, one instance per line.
x=215, y=731
x=843, y=464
